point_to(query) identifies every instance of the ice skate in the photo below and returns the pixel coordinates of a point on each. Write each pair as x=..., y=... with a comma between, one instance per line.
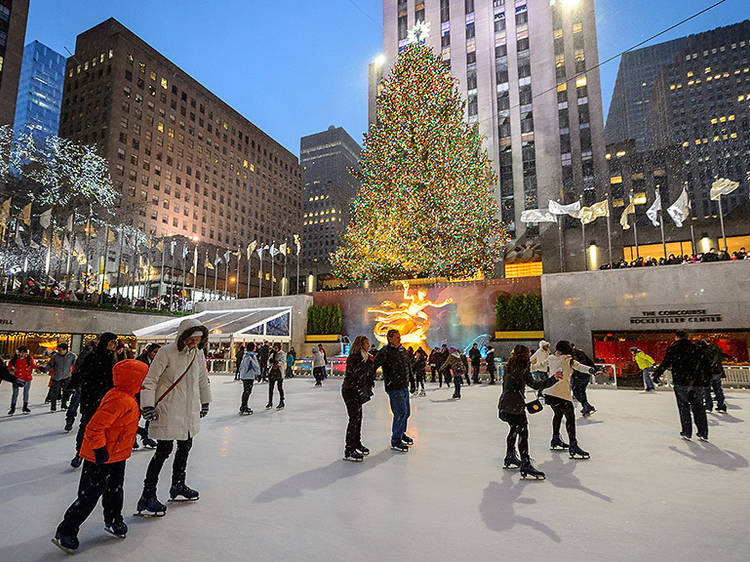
x=588, y=412
x=246, y=411
x=280, y=406
x=67, y=544
x=702, y=437
x=353, y=455
x=148, y=443
x=76, y=462
x=685, y=436
x=557, y=444
x=407, y=440
x=576, y=452
x=117, y=529
x=721, y=410
x=25, y=408
x=149, y=506
x=400, y=447
x=68, y=426
x=269, y=406
x=423, y=393
x=12, y=410
x=528, y=471
x=181, y=493
x=364, y=450
x=511, y=461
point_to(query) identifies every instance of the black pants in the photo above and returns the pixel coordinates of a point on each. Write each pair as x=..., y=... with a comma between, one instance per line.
x=179, y=465
x=75, y=400
x=562, y=408
x=578, y=385
x=448, y=377
x=354, y=410
x=457, y=386
x=319, y=374
x=85, y=418
x=491, y=373
x=420, y=380
x=263, y=373
x=715, y=385
x=690, y=400
x=247, y=390
x=519, y=431
x=103, y=481
x=58, y=392
x=143, y=431
x=468, y=379
x=412, y=384
x=475, y=373
x=434, y=373
x=272, y=380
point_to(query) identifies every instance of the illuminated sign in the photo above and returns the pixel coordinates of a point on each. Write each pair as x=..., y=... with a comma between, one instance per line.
x=675, y=317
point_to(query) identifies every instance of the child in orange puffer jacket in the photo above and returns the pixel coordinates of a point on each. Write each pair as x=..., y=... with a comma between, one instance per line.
x=106, y=446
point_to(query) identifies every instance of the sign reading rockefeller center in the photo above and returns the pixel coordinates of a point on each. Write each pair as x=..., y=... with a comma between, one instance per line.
x=675, y=317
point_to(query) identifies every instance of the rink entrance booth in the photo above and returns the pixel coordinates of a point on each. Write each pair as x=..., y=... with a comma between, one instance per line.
x=226, y=330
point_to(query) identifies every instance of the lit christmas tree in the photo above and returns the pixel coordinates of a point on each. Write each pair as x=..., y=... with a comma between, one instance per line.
x=426, y=205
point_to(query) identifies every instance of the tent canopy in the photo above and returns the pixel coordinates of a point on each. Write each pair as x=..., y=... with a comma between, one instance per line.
x=240, y=325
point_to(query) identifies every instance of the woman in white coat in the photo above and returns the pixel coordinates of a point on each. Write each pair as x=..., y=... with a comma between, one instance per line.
x=175, y=396
x=540, y=361
x=559, y=398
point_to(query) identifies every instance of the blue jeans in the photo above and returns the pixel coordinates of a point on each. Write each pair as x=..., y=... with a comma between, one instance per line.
x=401, y=409
x=457, y=386
x=647, y=382
x=26, y=388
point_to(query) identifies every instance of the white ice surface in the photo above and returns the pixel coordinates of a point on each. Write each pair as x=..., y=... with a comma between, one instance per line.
x=273, y=485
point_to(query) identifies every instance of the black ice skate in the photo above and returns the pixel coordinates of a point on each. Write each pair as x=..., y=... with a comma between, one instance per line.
x=149, y=506
x=685, y=436
x=557, y=444
x=68, y=544
x=269, y=406
x=148, y=443
x=181, y=493
x=68, y=426
x=76, y=462
x=364, y=450
x=576, y=452
x=702, y=437
x=25, y=408
x=588, y=412
x=246, y=412
x=511, y=461
x=117, y=529
x=280, y=406
x=12, y=410
x=400, y=447
x=353, y=455
x=407, y=440
x=528, y=471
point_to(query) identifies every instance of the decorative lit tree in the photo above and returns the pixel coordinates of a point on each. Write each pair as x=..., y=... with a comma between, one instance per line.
x=426, y=206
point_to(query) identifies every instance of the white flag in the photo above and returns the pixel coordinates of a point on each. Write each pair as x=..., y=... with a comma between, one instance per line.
x=297, y=243
x=217, y=258
x=680, y=209
x=653, y=211
x=537, y=215
x=557, y=209
x=19, y=240
x=282, y=248
x=629, y=210
x=251, y=248
x=172, y=244
x=184, y=250
x=722, y=186
x=259, y=251
x=273, y=251
x=69, y=226
x=227, y=255
x=45, y=219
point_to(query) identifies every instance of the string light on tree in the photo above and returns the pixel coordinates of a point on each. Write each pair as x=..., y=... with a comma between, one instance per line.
x=426, y=204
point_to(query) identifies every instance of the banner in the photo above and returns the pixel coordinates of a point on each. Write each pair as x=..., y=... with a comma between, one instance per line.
x=251, y=248
x=5, y=210
x=45, y=219
x=297, y=243
x=589, y=214
x=207, y=264
x=629, y=210
x=69, y=226
x=537, y=215
x=557, y=209
x=273, y=251
x=722, y=186
x=26, y=215
x=653, y=210
x=680, y=209
x=282, y=249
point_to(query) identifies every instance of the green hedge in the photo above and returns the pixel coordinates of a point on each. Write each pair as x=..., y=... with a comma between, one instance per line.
x=41, y=301
x=518, y=312
x=324, y=320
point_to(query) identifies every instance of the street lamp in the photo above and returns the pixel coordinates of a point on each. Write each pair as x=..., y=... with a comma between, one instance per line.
x=379, y=60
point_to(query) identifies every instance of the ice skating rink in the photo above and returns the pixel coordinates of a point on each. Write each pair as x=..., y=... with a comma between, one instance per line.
x=273, y=485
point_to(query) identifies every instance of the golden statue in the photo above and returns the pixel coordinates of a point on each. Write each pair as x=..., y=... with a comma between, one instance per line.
x=409, y=318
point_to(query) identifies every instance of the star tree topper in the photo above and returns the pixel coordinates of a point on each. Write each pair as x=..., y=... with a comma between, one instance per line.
x=419, y=33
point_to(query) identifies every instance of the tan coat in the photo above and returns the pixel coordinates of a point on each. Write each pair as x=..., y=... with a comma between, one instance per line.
x=566, y=364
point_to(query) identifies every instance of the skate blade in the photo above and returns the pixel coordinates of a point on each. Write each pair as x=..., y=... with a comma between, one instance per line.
x=530, y=477
x=558, y=448
x=510, y=468
x=111, y=532
x=149, y=515
x=352, y=460
x=580, y=457
x=61, y=547
x=178, y=500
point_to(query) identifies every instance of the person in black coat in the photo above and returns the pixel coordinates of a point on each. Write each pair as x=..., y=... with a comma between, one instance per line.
x=713, y=359
x=75, y=385
x=490, y=358
x=476, y=361
x=512, y=408
x=394, y=360
x=419, y=368
x=95, y=376
x=359, y=379
x=146, y=357
x=689, y=380
x=579, y=381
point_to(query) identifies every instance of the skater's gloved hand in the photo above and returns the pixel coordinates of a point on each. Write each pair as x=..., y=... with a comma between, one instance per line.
x=149, y=413
x=204, y=410
x=101, y=455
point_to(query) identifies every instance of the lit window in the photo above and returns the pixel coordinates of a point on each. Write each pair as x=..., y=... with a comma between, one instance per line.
x=620, y=153
x=615, y=180
x=1, y=65
x=580, y=57
x=608, y=156
x=639, y=198
x=559, y=62
x=164, y=83
x=562, y=87
x=581, y=82
x=111, y=53
x=152, y=75
x=689, y=74
x=577, y=27
x=557, y=33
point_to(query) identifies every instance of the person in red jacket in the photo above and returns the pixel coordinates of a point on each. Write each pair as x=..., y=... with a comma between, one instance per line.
x=21, y=366
x=107, y=444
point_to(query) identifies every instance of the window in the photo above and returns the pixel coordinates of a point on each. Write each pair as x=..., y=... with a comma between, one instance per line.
x=164, y=83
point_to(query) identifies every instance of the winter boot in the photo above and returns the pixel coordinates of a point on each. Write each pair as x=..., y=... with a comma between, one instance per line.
x=117, y=528
x=527, y=470
x=557, y=444
x=511, y=460
x=353, y=455
x=25, y=409
x=180, y=492
x=76, y=462
x=149, y=506
x=66, y=543
x=12, y=410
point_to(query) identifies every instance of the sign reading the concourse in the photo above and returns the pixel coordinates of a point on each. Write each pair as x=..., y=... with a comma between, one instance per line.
x=680, y=316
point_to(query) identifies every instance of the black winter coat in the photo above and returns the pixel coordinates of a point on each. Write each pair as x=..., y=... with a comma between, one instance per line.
x=360, y=374
x=491, y=361
x=475, y=356
x=95, y=375
x=686, y=362
x=513, y=400
x=583, y=359
x=396, y=367
x=419, y=364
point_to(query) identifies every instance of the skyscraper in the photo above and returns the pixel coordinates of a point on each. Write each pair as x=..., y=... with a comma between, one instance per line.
x=527, y=69
x=629, y=115
x=330, y=187
x=40, y=91
x=13, y=16
x=180, y=157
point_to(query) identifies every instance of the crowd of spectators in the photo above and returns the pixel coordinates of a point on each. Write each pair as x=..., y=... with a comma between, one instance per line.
x=711, y=256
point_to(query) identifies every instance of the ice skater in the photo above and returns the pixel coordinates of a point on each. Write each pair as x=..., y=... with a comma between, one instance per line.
x=107, y=444
x=359, y=380
x=476, y=361
x=318, y=366
x=540, y=361
x=146, y=357
x=558, y=397
x=454, y=367
x=277, y=365
x=580, y=381
x=644, y=362
x=61, y=365
x=419, y=368
x=490, y=359
x=249, y=371
x=175, y=396
x=512, y=409
x=714, y=364
x=684, y=359
x=21, y=367
x=396, y=370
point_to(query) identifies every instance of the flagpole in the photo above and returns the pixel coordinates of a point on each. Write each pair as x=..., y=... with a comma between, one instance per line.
x=249, y=261
x=216, y=276
x=583, y=242
x=205, y=274
x=48, y=261
x=296, y=291
x=285, y=282
x=148, y=269
x=133, y=291
x=184, y=274
x=661, y=227
x=273, y=268
x=237, y=286
x=560, y=239
x=721, y=219
x=161, y=273
x=226, y=275
x=609, y=233
x=635, y=230
x=692, y=238
x=171, y=275
x=106, y=255
x=260, y=283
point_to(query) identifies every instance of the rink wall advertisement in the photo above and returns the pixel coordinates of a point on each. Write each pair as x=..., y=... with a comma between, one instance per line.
x=456, y=314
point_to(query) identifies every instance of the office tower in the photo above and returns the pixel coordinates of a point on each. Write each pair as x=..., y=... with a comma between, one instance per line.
x=13, y=15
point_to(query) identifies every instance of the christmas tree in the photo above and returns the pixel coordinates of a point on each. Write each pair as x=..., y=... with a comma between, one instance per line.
x=426, y=205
